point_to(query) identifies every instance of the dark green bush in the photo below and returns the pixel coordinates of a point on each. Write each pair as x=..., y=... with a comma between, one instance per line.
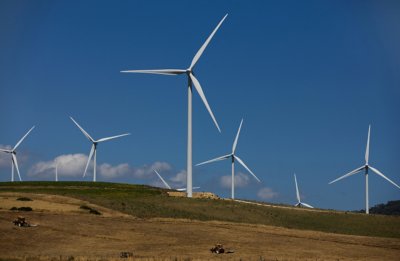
x=91, y=210
x=22, y=208
x=85, y=207
x=94, y=211
x=24, y=199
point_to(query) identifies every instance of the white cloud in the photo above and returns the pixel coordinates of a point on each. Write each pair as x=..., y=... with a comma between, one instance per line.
x=109, y=171
x=241, y=180
x=267, y=193
x=148, y=170
x=73, y=165
x=179, y=179
x=70, y=165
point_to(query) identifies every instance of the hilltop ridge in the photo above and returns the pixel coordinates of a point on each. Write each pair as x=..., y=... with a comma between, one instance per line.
x=143, y=201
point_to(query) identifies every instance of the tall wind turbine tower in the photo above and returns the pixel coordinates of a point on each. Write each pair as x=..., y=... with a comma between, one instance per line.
x=56, y=168
x=192, y=81
x=366, y=168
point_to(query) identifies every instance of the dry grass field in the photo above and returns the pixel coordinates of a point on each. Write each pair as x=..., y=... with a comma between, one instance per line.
x=66, y=232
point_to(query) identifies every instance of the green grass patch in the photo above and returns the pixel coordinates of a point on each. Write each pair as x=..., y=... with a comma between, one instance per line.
x=149, y=202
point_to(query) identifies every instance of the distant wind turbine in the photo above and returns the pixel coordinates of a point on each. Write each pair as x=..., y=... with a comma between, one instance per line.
x=299, y=203
x=94, y=148
x=192, y=81
x=366, y=167
x=13, y=153
x=168, y=186
x=233, y=157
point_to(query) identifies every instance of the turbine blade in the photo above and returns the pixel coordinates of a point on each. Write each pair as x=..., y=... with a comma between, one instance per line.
x=113, y=137
x=348, y=174
x=306, y=205
x=14, y=158
x=297, y=188
x=216, y=159
x=19, y=142
x=367, y=148
x=203, y=98
x=237, y=137
x=82, y=130
x=6, y=151
x=244, y=165
x=203, y=47
x=383, y=176
x=165, y=183
x=158, y=71
x=184, y=189
x=89, y=158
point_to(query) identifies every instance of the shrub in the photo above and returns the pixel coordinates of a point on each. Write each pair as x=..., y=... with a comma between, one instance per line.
x=91, y=210
x=25, y=209
x=21, y=208
x=85, y=207
x=94, y=211
x=24, y=199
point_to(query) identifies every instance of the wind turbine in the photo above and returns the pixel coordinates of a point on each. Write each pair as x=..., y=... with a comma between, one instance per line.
x=366, y=167
x=233, y=157
x=299, y=203
x=93, y=150
x=192, y=81
x=13, y=153
x=168, y=186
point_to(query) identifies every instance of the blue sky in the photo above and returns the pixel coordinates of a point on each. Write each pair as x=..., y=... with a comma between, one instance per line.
x=307, y=77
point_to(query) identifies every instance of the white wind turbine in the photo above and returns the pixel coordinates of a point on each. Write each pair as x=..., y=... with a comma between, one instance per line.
x=13, y=153
x=192, y=81
x=233, y=157
x=93, y=150
x=168, y=186
x=299, y=203
x=366, y=167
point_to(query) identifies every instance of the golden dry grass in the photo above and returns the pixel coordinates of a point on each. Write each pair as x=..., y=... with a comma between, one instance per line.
x=66, y=231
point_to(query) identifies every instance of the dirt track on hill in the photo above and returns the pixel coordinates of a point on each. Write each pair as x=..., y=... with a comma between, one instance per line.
x=65, y=230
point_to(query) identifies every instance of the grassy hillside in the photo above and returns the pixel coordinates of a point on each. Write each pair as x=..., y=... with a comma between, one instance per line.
x=148, y=202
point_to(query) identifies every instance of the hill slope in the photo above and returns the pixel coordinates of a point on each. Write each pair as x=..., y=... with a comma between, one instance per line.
x=148, y=202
